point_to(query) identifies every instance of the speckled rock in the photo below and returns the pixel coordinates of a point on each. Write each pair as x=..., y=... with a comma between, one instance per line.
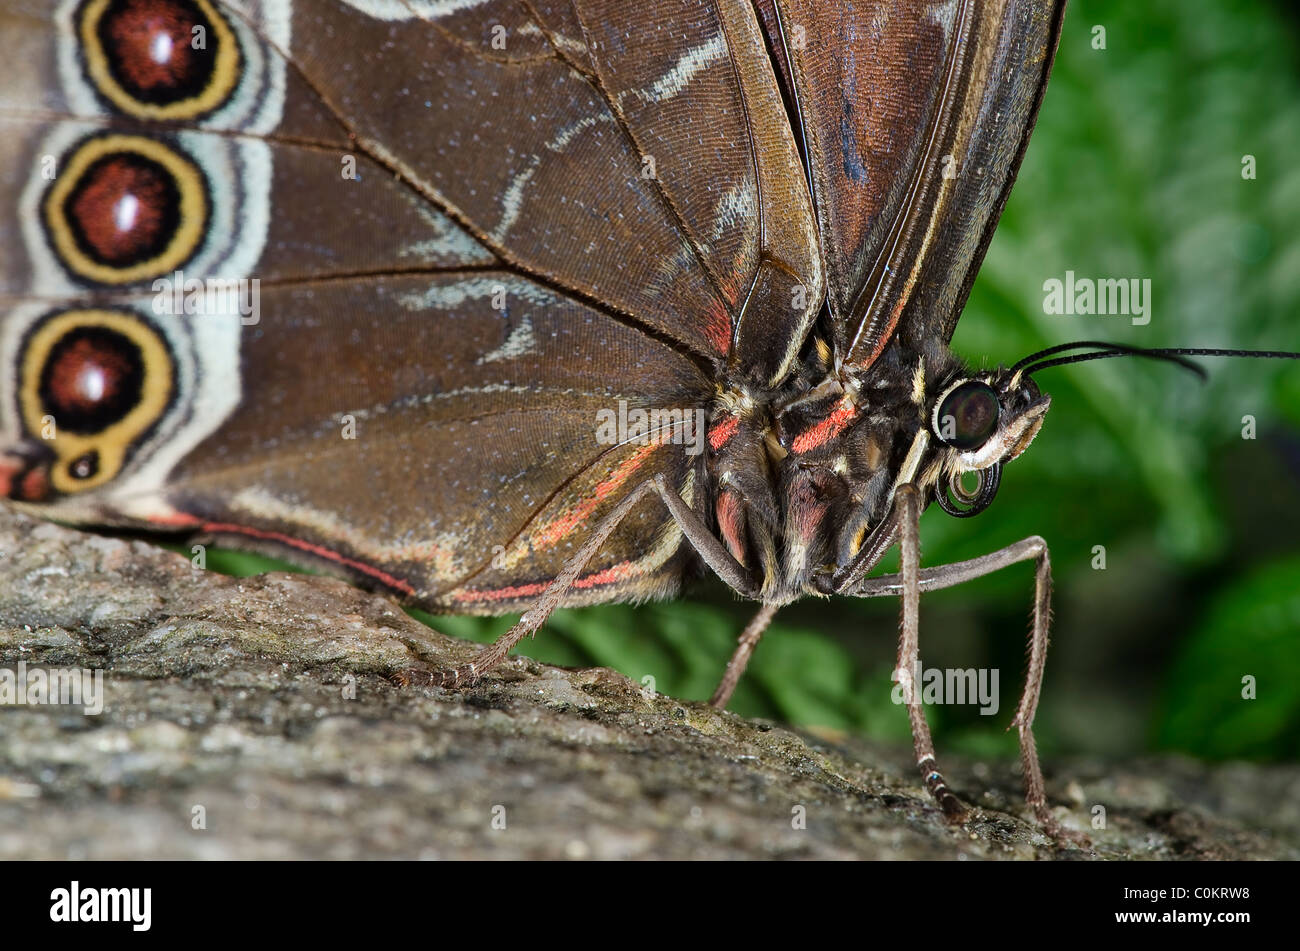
x=254, y=718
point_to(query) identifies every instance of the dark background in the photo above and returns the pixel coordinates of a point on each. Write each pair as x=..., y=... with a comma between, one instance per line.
x=1135, y=170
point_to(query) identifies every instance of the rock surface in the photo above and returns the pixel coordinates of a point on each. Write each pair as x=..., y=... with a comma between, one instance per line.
x=254, y=718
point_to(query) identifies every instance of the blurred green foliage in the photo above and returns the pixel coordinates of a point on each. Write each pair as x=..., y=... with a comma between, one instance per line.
x=1135, y=170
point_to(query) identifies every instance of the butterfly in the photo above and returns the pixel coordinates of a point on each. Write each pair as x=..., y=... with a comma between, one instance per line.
x=506, y=305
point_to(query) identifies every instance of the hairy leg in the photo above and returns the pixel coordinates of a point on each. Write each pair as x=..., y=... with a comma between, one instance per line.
x=907, y=512
x=945, y=576
x=709, y=548
x=740, y=659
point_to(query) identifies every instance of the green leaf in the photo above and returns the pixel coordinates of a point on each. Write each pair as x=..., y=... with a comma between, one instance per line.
x=1248, y=643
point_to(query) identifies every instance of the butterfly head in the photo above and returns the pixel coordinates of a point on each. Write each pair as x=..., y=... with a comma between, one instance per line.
x=982, y=421
x=977, y=423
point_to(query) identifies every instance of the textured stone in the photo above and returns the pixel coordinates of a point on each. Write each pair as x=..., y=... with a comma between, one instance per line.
x=264, y=707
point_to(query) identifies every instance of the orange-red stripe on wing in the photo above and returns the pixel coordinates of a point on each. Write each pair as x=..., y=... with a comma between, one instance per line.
x=620, y=572
x=560, y=529
x=378, y=574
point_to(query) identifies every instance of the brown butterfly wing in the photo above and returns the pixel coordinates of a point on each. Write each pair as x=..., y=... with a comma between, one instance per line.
x=914, y=115
x=634, y=155
x=476, y=466
x=476, y=469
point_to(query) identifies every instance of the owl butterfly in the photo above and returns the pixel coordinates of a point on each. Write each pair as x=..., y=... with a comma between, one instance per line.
x=501, y=305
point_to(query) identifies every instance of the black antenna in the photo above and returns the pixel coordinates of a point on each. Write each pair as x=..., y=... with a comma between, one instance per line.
x=1103, y=350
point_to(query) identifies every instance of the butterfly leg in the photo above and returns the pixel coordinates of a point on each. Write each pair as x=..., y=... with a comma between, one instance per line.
x=907, y=511
x=740, y=659
x=713, y=552
x=945, y=576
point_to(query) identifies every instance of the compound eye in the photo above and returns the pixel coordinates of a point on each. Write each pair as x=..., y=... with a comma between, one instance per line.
x=968, y=416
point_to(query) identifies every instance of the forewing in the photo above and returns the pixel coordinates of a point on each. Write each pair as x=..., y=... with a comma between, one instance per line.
x=914, y=116
x=634, y=154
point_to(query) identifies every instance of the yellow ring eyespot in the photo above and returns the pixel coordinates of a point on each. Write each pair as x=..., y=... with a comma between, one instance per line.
x=160, y=59
x=96, y=381
x=126, y=209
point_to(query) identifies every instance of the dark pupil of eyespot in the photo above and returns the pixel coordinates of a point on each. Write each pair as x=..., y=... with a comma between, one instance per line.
x=85, y=466
x=968, y=415
x=92, y=378
x=150, y=49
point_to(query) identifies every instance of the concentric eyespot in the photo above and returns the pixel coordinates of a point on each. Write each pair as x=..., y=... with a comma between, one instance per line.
x=92, y=377
x=93, y=382
x=967, y=415
x=126, y=209
x=160, y=59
